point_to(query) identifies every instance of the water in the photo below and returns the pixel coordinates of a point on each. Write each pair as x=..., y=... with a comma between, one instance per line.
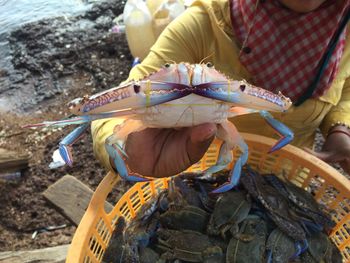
x=14, y=13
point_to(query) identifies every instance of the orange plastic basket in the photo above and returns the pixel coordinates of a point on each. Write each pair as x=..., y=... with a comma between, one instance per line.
x=332, y=189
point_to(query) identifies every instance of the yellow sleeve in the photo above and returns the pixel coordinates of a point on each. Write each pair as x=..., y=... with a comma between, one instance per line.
x=340, y=112
x=183, y=40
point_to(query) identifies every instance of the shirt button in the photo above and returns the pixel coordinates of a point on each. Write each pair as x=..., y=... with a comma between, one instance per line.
x=247, y=50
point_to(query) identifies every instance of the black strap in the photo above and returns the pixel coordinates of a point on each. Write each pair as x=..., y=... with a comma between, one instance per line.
x=325, y=59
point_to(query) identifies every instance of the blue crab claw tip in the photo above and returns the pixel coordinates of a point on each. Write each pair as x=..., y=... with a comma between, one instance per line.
x=223, y=188
x=305, y=247
x=273, y=149
x=66, y=155
x=280, y=144
x=135, y=178
x=300, y=247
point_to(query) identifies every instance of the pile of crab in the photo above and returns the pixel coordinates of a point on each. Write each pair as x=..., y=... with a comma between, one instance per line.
x=263, y=219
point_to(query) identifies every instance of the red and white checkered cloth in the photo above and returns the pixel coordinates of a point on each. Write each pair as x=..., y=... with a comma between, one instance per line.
x=283, y=48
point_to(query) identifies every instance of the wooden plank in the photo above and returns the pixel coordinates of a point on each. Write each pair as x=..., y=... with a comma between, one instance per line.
x=71, y=197
x=50, y=255
x=12, y=161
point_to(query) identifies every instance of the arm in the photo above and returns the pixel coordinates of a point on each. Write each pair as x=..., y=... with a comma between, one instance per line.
x=336, y=148
x=339, y=113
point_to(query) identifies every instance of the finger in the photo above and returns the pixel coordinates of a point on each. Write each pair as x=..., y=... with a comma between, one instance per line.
x=142, y=149
x=346, y=166
x=199, y=141
x=323, y=155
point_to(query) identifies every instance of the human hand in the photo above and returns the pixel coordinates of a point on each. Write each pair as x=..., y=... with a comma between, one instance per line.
x=165, y=152
x=336, y=148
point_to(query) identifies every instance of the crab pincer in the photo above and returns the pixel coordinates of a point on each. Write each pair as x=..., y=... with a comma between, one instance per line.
x=286, y=134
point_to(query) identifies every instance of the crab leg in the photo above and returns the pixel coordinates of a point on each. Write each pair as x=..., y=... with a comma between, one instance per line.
x=282, y=130
x=81, y=119
x=115, y=150
x=225, y=154
x=228, y=132
x=66, y=144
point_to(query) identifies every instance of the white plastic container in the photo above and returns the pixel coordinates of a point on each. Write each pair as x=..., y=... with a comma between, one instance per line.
x=138, y=28
x=167, y=11
x=153, y=5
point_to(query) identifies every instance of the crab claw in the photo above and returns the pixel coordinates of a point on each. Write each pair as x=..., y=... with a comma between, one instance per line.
x=235, y=175
x=301, y=247
x=116, y=153
x=285, y=133
x=225, y=156
x=65, y=145
x=135, y=62
x=66, y=154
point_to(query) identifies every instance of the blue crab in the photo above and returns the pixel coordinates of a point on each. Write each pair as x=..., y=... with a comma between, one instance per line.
x=277, y=207
x=187, y=245
x=280, y=247
x=116, y=248
x=180, y=213
x=230, y=210
x=249, y=244
x=322, y=249
x=302, y=202
x=177, y=95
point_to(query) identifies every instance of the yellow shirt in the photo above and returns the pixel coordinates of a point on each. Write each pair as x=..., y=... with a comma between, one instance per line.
x=203, y=33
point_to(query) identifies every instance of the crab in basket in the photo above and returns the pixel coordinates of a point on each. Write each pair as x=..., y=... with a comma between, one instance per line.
x=177, y=95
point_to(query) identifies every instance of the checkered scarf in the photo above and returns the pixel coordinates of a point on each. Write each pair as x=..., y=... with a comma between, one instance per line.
x=282, y=49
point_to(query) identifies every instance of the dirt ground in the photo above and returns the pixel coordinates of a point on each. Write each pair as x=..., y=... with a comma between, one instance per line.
x=22, y=206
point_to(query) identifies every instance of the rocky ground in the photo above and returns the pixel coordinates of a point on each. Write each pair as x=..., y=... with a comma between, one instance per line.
x=54, y=61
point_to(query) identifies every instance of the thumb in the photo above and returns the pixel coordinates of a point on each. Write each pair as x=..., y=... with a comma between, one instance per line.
x=199, y=140
x=323, y=155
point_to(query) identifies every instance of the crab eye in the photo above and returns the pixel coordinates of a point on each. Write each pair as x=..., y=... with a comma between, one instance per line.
x=210, y=65
x=137, y=88
x=167, y=65
x=242, y=87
